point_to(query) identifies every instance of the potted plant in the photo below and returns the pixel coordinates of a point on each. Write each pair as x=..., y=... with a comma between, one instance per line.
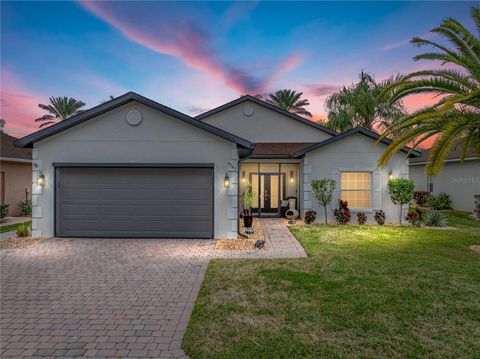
x=247, y=202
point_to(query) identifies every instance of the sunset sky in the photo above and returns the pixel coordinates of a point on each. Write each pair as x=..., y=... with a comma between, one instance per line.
x=196, y=56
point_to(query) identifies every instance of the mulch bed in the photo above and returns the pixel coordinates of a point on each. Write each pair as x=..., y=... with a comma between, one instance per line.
x=243, y=243
x=21, y=242
x=235, y=244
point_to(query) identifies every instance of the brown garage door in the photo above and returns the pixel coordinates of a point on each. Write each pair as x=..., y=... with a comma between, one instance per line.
x=134, y=202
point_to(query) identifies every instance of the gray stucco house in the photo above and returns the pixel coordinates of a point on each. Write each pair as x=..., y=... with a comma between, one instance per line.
x=461, y=180
x=132, y=167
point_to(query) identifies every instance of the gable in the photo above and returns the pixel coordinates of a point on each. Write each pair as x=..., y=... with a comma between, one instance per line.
x=357, y=135
x=258, y=123
x=112, y=126
x=111, y=105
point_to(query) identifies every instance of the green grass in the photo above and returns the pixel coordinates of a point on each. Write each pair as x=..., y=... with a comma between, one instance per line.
x=364, y=292
x=12, y=227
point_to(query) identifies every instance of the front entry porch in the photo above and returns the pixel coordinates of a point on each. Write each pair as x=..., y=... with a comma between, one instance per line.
x=274, y=184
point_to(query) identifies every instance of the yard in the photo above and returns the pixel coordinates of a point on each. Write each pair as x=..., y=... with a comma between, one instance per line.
x=364, y=292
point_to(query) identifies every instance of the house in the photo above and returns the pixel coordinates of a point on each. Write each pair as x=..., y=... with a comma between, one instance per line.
x=15, y=174
x=461, y=180
x=132, y=167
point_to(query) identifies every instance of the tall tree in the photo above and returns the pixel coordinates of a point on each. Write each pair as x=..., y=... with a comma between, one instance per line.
x=290, y=100
x=59, y=109
x=360, y=105
x=455, y=116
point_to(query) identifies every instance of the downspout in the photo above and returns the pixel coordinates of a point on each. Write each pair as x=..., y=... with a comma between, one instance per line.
x=240, y=160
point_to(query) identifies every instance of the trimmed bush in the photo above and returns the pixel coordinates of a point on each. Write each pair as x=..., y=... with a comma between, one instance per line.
x=401, y=193
x=25, y=208
x=434, y=219
x=361, y=218
x=23, y=230
x=310, y=216
x=440, y=202
x=3, y=210
x=379, y=217
x=420, y=197
x=342, y=214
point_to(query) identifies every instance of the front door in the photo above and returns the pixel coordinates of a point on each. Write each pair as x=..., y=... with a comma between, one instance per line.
x=268, y=191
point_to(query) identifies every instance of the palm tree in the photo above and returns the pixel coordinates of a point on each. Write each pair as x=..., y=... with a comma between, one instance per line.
x=290, y=100
x=360, y=105
x=454, y=119
x=59, y=109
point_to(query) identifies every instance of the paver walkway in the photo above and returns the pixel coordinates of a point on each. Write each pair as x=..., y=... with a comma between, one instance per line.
x=110, y=297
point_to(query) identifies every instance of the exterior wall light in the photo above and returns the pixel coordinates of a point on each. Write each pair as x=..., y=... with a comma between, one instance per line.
x=243, y=176
x=390, y=174
x=41, y=179
x=226, y=181
x=292, y=177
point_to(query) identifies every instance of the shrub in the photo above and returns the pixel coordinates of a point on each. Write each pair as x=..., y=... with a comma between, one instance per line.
x=23, y=230
x=440, y=202
x=401, y=193
x=3, y=210
x=361, y=218
x=412, y=215
x=322, y=190
x=418, y=223
x=380, y=217
x=25, y=208
x=310, y=216
x=342, y=214
x=420, y=197
x=435, y=219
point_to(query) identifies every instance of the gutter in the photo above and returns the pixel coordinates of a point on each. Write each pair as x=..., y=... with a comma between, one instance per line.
x=446, y=161
x=11, y=159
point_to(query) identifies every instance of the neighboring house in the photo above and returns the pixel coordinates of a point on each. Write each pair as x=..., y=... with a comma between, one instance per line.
x=461, y=180
x=132, y=167
x=15, y=174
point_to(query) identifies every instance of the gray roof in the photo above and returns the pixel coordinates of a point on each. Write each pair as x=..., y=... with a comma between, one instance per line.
x=452, y=156
x=269, y=106
x=411, y=152
x=29, y=140
x=8, y=150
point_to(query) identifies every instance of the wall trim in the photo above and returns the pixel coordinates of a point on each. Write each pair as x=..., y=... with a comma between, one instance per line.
x=133, y=165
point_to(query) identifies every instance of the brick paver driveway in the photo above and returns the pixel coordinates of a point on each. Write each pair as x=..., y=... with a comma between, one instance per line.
x=100, y=297
x=111, y=297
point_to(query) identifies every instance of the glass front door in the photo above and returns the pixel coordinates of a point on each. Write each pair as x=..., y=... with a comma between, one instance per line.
x=268, y=189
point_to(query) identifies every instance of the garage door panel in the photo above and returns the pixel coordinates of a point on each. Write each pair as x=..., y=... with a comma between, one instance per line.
x=135, y=202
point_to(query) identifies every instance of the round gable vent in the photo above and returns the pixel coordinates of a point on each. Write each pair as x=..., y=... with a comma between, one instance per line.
x=248, y=110
x=134, y=117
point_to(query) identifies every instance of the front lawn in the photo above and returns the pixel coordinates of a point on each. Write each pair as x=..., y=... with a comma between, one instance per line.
x=364, y=292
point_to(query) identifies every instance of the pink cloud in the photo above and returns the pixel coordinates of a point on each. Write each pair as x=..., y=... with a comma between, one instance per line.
x=184, y=39
x=320, y=90
x=397, y=44
x=19, y=106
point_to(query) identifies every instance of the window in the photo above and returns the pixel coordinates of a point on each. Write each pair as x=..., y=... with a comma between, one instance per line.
x=356, y=189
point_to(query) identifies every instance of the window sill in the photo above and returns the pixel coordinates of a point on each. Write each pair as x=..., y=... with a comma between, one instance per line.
x=367, y=210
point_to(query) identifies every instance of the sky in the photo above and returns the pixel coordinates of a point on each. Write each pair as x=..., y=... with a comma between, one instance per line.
x=194, y=56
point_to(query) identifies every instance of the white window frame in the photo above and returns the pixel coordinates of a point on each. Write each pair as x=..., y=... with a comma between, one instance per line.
x=343, y=170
